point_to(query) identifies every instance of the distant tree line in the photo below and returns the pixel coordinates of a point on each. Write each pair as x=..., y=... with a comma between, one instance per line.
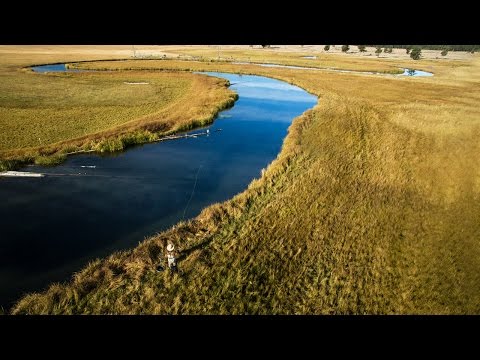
x=469, y=48
x=415, y=51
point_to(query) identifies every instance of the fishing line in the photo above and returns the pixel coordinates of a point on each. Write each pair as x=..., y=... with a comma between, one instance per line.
x=193, y=191
x=243, y=81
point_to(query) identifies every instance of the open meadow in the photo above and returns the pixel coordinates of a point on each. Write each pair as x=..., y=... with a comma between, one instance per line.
x=371, y=207
x=43, y=116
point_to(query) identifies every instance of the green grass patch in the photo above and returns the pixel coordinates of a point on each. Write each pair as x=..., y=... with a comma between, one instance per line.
x=50, y=160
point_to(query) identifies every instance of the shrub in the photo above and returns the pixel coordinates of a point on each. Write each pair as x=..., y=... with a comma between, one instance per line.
x=416, y=53
x=6, y=165
x=50, y=160
x=110, y=145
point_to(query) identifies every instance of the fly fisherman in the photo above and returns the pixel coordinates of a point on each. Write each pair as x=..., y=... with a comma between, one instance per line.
x=171, y=256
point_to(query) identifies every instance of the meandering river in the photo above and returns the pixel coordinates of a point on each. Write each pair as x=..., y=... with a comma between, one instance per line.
x=92, y=205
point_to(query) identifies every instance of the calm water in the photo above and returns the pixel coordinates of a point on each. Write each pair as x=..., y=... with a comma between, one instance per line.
x=91, y=206
x=53, y=67
x=412, y=72
x=56, y=68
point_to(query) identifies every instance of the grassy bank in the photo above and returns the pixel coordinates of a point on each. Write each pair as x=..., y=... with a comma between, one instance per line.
x=372, y=206
x=332, y=61
x=197, y=65
x=43, y=117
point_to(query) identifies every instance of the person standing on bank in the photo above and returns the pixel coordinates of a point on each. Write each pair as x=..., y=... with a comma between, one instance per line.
x=171, y=256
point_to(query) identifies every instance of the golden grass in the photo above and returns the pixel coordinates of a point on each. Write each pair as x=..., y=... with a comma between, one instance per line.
x=340, y=61
x=332, y=61
x=47, y=114
x=371, y=207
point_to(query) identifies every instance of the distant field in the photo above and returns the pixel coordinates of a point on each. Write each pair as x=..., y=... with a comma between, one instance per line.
x=445, y=69
x=266, y=56
x=371, y=207
x=334, y=59
x=47, y=114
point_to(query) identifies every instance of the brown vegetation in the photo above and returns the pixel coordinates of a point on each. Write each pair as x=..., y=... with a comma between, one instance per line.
x=45, y=116
x=372, y=207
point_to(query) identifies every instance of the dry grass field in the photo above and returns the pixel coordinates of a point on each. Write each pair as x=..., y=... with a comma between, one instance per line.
x=371, y=207
x=44, y=116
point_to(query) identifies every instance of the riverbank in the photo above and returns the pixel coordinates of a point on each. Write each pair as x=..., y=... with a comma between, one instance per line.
x=45, y=117
x=370, y=207
x=122, y=198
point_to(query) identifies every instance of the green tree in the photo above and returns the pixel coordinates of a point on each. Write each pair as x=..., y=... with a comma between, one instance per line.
x=326, y=48
x=378, y=51
x=362, y=48
x=416, y=53
x=345, y=48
